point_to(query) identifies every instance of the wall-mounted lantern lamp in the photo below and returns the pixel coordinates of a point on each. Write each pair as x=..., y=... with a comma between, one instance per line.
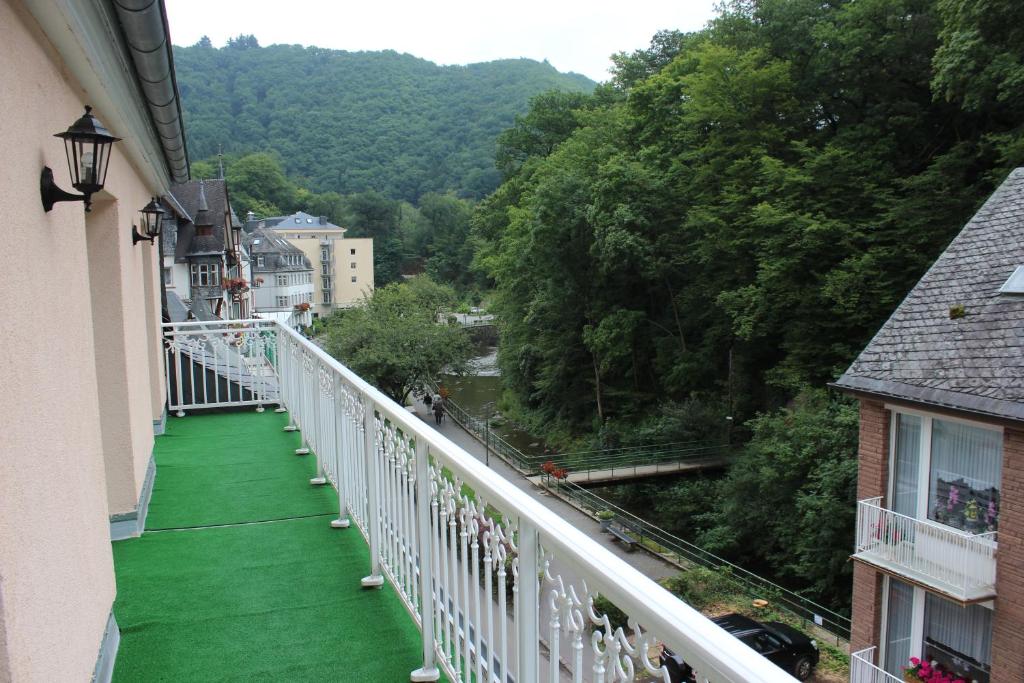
x=87, y=146
x=152, y=222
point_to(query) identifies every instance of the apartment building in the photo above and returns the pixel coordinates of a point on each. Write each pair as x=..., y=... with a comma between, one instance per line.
x=83, y=374
x=282, y=278
x=939, y=561
x=343, y=267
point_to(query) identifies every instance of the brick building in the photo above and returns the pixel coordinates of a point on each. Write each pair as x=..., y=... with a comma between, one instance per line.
x=939, y=560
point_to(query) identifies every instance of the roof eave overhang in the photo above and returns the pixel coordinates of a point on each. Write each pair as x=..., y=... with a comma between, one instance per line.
x=941, y=400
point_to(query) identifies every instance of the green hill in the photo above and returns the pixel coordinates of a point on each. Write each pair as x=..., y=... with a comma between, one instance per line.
x=356, y=121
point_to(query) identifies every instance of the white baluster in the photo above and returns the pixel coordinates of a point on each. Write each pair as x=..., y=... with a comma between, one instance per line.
x=371, y=458
x=427, y=556
x=502, y=555
x=528, y=603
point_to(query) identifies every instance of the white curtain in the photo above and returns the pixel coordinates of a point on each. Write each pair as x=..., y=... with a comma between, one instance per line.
x=959, y=630
x=966, y=463
x=898, y=624
x=905, y=471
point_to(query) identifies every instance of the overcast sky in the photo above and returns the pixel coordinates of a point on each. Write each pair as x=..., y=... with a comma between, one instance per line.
x=574, y=35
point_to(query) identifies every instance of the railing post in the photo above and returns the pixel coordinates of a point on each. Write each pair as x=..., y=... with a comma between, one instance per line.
x=528, y=626
x=429, y=670
x=306, y=413
x=340, y=453
x=286, y=362
x=375, y=579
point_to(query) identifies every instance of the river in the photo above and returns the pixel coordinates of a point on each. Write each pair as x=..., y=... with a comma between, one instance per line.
x=478, y=393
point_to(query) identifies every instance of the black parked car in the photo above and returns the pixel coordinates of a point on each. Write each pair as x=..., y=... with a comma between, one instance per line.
x=782, y=645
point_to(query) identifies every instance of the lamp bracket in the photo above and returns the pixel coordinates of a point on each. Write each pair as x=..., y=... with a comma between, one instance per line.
x=51, y=194
x=138, y=237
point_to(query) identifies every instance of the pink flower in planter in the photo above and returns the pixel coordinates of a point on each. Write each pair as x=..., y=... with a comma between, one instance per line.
x=954, y=497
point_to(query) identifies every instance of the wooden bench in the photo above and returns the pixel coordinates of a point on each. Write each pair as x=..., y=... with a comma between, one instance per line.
x=619, y=532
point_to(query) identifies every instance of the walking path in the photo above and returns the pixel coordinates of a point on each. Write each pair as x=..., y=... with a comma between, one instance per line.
x=647, y=564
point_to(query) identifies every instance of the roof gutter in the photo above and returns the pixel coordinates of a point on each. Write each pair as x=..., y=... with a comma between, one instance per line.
x=144, y=23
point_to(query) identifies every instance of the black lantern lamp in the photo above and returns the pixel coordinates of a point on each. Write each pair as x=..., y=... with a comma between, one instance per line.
x=87, y=145
x=152, y=222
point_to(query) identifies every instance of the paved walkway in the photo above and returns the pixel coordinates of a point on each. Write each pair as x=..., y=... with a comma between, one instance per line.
x=649, y=565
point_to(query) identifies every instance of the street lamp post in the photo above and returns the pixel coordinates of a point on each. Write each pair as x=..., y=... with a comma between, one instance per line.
x=488, y=415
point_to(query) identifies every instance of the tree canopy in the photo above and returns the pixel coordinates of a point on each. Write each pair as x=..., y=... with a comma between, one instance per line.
x=395, y=340
x=736, y=213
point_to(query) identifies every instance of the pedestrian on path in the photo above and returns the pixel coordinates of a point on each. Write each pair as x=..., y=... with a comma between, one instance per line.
x=438, y=407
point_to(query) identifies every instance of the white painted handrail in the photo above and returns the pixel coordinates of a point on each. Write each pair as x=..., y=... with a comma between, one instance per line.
x=863, y=669
x=460, y=546
x=956, y=562
x=220, y=363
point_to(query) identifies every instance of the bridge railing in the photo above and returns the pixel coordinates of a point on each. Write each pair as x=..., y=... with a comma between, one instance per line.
x=583, y=461
x=631, y=458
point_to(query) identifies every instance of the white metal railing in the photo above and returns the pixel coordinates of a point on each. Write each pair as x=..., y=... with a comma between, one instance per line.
x=863, y=669
x=956, y=562
x=220, y=363
x=501, y=587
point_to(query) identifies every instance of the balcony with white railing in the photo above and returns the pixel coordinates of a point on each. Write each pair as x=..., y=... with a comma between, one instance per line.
x=863, y=669
x=501, y=588
x=957, y=563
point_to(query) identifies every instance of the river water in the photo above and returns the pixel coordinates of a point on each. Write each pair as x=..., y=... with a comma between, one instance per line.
x=478, y=393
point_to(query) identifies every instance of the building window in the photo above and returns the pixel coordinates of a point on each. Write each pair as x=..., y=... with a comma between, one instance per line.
x=259, y=261
x=946, y=471
x=325, y=282
x=325, y=253
x=327, y=296
x=282, y=280
x=205, y=274
x=168, y=277
x=352, y=252
x=325, y=269
x=921, y=624
x=353, y=278
x=352, y=265
x=282, y=302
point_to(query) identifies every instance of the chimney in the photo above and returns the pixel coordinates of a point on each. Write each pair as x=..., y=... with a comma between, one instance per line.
x=323, y=220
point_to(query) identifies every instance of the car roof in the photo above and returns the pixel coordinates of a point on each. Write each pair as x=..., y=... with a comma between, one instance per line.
x=737, y=624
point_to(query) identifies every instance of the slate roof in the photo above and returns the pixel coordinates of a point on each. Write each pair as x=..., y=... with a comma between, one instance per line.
x=176, y=308
x=190, y=196
x=300, y=220
x=975, y=363
x=267, y=243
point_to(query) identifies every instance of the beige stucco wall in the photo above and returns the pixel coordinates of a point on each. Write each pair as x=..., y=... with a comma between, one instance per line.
x=345, y=292
x=56, y=573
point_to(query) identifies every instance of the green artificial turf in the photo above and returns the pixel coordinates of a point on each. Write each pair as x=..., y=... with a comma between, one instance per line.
x=273, y=601
x=229, y=468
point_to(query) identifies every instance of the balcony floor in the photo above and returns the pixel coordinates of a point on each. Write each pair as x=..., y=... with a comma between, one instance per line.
x=273, y=593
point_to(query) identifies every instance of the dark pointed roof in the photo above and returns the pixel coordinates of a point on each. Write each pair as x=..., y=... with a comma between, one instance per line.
x=206, y=202
x=973, y=363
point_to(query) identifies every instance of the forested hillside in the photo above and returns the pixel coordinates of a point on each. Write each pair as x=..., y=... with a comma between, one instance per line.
x=741, y=208
x=717, y=233
x=350, y=122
